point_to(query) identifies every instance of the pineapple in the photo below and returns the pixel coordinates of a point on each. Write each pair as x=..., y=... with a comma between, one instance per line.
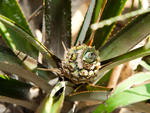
x=81, y=64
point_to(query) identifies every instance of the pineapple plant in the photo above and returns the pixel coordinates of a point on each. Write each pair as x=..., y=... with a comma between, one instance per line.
x=72, y=70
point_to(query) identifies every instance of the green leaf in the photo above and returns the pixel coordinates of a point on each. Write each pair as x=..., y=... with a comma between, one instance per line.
x=145, y=65
x=90, y=87
x=9, y=62
x=54, y=101
x=109, y=64
x=27, y=36
x=91, y=16
x=119, y=18
x=102, y=35
x=105, y=79
x=124, y=98
x=58, y=25
x=130, y=95
x=11, y=10
x=15, y=92
x=89, y=95
x=133, y=80
x=13, y=88
x=127, y=38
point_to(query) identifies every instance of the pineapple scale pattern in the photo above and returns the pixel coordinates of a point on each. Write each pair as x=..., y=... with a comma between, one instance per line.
x=81, y=64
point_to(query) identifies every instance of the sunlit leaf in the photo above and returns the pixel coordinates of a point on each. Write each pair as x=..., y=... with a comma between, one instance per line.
x=111, y=20
x=102, y=35
x=131, y=81
x=11, y=10
x=127, y=38
x=91, y=16
x=124, y=98
x=109, y=64
x=27, y=36
x=54, y=101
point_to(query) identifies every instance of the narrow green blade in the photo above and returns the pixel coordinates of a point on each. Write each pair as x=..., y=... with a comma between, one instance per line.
x=124, y=98
x=13, y=88
x=9, y=62
x=145, y=65
x=102, y=35
x=109, y=64
x=27, y=36
x=112, y=20
x=130, y=95
x=105, y=79
x=133, y=80
x=53, y=102
x=14, y=40
x=89, y=95
x=90, y=17
x=132, y=34
x=58, y=25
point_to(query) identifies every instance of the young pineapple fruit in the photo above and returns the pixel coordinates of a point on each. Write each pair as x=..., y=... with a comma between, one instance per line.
x=81, y=64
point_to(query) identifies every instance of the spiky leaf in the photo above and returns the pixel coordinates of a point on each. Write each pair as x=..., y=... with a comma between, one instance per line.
x=13, y=88
x=130, y=95
x=54, y=101
x=11, y=10
x=58, y=25
x=9, y=62
x=110, y=10
x=127, y=38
